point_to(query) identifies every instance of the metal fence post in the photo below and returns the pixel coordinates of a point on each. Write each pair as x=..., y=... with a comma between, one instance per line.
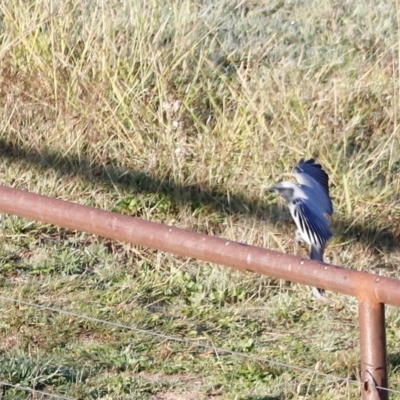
x=373, y=350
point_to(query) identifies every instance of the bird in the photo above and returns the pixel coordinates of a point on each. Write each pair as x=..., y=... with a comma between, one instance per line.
x=310, y=205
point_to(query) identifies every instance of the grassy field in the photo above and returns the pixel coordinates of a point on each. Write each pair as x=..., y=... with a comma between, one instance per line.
x=180, y=112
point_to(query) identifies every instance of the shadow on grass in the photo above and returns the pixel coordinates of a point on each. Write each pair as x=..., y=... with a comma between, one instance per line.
x=26, y=371
x=393, y=360
x=197, y=195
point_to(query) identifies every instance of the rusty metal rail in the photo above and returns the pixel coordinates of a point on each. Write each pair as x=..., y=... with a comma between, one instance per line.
x=371, y=290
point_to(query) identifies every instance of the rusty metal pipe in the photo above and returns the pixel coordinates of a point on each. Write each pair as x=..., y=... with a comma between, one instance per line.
x=373, y=350
x=371, y=290
x=201, y=246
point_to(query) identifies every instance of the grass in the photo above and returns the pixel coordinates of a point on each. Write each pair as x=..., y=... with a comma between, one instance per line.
x=179, y=112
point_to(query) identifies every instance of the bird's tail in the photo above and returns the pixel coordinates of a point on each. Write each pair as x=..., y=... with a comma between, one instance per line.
x=317, y=253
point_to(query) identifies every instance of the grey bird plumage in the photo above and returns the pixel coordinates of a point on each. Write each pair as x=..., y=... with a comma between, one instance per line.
x=310, y=205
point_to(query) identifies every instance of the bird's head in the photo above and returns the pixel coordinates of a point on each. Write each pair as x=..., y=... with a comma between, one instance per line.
x=285, y=189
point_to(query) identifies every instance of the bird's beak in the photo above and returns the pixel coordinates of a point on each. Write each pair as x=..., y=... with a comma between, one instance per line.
x=270, y=189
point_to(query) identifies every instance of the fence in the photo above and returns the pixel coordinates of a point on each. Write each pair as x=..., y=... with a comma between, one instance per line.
x=372, y=291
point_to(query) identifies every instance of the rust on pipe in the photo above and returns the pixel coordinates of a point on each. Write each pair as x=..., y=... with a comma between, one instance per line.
x=373, y=350
x=201, y=246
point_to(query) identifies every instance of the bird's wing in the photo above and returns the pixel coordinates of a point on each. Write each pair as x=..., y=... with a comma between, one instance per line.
x=313, y=226
x=309, y=172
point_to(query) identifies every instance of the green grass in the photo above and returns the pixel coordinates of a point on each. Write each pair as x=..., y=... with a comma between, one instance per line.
x=180, y=112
